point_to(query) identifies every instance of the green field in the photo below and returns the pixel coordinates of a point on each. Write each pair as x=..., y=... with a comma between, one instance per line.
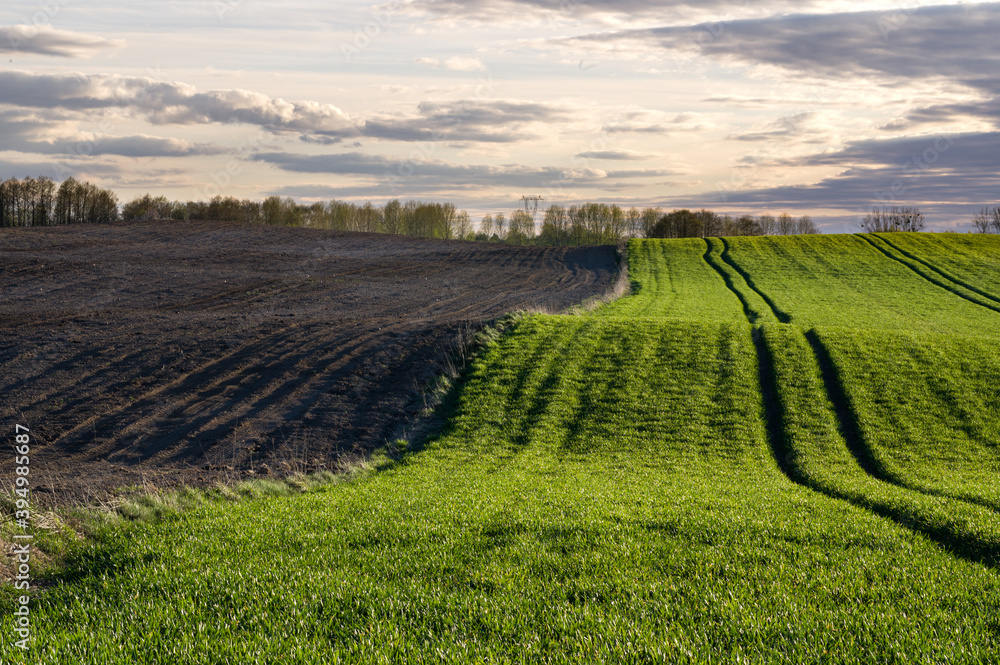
x=776, y=450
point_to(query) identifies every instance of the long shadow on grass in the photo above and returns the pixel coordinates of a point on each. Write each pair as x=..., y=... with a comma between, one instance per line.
x=773, y=410
x=960, y=544
x=596, y=388
x=945, y=283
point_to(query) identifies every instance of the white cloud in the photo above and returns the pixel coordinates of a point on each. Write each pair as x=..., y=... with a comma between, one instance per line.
x=459, y=64
x=162, y=102
x=45, y=40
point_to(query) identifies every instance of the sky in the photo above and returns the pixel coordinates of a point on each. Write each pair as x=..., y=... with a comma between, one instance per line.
x=818, y=108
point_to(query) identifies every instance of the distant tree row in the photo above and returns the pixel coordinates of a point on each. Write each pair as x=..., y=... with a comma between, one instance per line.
x=881, y=220
x=987, y=220
x=433, y=220
x=601, y=223
x=704, y=223
x=38, y=202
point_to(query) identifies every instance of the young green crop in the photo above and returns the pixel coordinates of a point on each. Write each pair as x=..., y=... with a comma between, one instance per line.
x=845, y=281
x=972, y=260
x=927, y=406
x=824, y=446
x=674, y=280
x=690, y=474
x=570, y=514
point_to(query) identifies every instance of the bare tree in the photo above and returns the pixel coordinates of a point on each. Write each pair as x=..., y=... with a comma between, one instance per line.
x=987, y=220
x=880, y=220
x=786, y=225
x=768, y=224
x=633, y=222
x=805, y=226
x=463, y=226
x=500, y=226
x=982, y=221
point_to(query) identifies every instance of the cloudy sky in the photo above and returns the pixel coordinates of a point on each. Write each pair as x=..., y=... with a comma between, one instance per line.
x=820, y=108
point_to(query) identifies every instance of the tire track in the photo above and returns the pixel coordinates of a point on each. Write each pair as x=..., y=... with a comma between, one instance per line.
x=947, y=285
x=920, y=513
x=203, y=375
x=782, y=316
x=751, y=313
x=943, y=273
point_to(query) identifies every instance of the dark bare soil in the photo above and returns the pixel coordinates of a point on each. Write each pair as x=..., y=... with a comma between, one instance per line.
x=170, y=353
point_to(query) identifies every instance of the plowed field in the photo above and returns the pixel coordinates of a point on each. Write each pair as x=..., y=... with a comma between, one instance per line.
x=169, y=352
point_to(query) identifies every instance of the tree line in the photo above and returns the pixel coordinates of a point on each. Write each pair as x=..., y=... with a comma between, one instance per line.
x=987, y=220
x=432, y=220
x=601, y=223
x=38, y=202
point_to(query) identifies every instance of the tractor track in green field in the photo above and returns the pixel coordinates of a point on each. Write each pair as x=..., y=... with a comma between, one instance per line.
x=952, y=536
x=680, y=475
x=943, y=273
x=782, y=316
x=945, y=282
x=876, y=491
x=751, y=314
x=847, y=417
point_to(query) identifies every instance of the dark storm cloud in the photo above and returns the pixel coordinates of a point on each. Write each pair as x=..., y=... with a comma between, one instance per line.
x=27, y=39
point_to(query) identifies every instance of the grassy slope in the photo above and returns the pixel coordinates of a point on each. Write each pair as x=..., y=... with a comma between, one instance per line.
x=605, y=492
x=673, y=280
x=917, y=363
x=927, y=406
x=825, y=450
x=973, y=260
x=844, y=281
